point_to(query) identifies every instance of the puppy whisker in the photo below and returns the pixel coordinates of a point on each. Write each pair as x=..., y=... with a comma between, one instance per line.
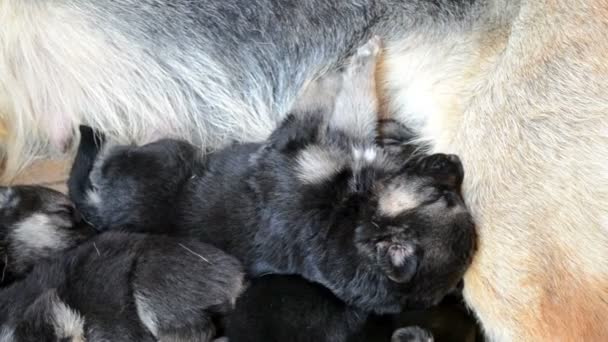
x=96, y=249
x=4, y=268
x=193, y=252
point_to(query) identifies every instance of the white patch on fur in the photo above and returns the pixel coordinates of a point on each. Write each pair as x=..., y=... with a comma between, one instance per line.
x=427, y=79
x=146, y=314
x=316, y=164
x=67, y=322
x=369, y=155
x=37, y=232
x=7, y=334
x=364, y=157
x=356, y=107
x=8, y=198
x=400, y=253
x=398, y=198
x=93, y=198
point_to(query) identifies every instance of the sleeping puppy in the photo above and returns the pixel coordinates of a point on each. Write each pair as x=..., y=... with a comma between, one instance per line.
x=277, y=308
x=35, y=223
x=319, y=199
x=123, y=287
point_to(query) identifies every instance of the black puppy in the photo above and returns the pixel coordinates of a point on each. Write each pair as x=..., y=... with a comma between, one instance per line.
x=35, y=223
x=123, y=287
x=277, y=308
x=77, y=285
x=319, y=198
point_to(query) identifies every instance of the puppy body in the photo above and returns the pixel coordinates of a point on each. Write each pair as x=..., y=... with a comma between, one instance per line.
x=36, y=223
x=516, y=88
x=318, y=199
x=123, y=287
x=280, y=308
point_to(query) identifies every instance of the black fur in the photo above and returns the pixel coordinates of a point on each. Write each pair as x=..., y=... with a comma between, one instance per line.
x=318, y=198
x=162, y=169
x=250, y=202
x=183, y=285
x=35, y=223
x=289, y=308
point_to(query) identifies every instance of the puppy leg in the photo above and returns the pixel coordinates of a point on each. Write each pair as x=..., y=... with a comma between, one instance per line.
x=309, y=114
x=179, y=288
x=356, y=109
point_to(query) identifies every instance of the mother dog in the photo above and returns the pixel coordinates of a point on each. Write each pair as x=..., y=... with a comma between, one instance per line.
x=518, y=89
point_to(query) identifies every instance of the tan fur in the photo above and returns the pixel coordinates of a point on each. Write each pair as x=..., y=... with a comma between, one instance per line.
x=521, y=97
x=527, y=112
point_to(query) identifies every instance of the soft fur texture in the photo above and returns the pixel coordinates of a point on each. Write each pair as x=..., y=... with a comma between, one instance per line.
x=36, y=223
x=288, y=308
x=318, y=198
x=516, y=88
x=123, y=287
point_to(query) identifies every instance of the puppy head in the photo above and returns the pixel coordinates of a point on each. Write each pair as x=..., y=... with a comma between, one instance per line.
x=35, y=223
x=414, y=226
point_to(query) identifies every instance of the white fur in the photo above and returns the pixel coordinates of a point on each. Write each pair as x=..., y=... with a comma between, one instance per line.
x=7, y=334
x=7, y=198
x=38, y=232
x=397, y=199
x=93, y=198
x=67, y=322
x=51, y=54
x=146, y=314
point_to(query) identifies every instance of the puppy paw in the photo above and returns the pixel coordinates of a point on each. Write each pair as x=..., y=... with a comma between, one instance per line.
x=412, y=334
x=364, y=59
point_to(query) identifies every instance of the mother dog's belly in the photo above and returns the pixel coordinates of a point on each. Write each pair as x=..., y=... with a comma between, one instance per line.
x=529, y=118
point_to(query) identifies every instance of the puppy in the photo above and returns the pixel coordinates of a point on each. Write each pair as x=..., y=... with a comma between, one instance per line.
x=288, y=308
x=123, y=287
x=36, y=223
x=319, y=198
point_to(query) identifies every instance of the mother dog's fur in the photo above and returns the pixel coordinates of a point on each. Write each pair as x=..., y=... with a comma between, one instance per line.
x=516, y=88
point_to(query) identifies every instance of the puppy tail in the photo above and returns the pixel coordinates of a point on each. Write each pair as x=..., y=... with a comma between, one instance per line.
x=79, y=182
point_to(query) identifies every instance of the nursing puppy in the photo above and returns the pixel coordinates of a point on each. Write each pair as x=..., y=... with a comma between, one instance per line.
x=519, y=98
x=123, y=287
x=289, y=308
x=36, y=223
x=319, y=198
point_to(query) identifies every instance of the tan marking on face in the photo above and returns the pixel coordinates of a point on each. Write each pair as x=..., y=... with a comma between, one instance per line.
x=316, y=164
x=397, y=199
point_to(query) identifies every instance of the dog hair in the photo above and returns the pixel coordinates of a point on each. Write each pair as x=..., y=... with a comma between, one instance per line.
x=318, y=198
x=516, y=88
x=123, y=287
x=36, y=223
x=289, y=308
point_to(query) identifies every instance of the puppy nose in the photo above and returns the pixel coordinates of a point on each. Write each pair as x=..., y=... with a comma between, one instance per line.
x=445, y=169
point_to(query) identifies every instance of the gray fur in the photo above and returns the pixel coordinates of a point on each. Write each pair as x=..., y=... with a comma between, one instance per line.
x=36, y=223
x=208, y=71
